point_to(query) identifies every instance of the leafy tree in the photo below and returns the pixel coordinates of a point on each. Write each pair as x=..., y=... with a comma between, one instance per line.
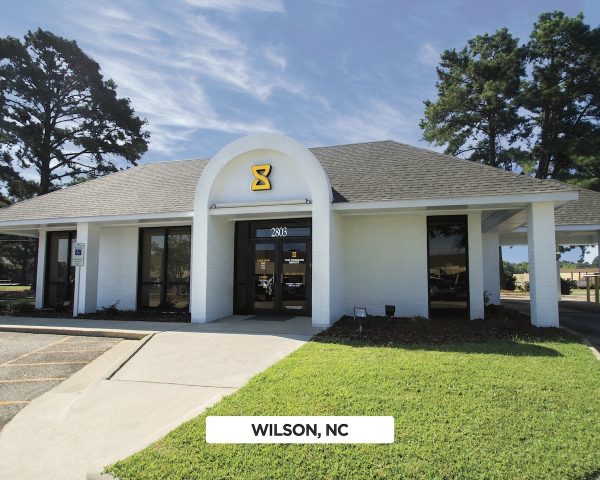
x=535, y=105
x=477, y=113
x=512, y=268
x=596, y=261
x=59, y=117
x=18, y=258
x=563, y=98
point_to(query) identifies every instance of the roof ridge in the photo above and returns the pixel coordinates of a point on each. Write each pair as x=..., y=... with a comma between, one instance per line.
x=174, y=161
x=353, y=143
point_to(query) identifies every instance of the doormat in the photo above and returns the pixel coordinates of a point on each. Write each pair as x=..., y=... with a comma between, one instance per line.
x=271, y=318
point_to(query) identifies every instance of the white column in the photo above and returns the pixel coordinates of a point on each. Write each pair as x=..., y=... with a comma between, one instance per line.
x=475, y=247
x=491, y=266
x=557, y=257
x=86, y=276
x=40, y=281
x=322, y=313
x=542, y=264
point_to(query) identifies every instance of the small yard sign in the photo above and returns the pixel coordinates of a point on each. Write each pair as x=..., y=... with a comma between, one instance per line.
x=78, y=254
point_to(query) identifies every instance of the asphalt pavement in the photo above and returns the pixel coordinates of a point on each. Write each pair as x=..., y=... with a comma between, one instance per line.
x=581, y=317
x=31, y=364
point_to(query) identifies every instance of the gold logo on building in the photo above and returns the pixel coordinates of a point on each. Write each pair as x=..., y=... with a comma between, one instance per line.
x=261, y=182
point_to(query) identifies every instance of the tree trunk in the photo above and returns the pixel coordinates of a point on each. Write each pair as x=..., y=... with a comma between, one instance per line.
x=44, y=176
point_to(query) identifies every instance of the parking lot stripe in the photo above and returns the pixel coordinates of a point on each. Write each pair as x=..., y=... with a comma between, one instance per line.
x=36, y=350
x=43, y=363
x=13, y=402
x=29, y=380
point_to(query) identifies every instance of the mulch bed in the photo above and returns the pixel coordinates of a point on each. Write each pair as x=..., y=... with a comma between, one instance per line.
x=501, y=323
x=143, y=316
x=11, y=294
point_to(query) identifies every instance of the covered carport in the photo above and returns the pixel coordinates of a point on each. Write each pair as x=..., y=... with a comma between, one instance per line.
x=576, y=223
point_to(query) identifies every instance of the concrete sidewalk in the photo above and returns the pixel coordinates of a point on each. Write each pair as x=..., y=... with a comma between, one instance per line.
x=81, y=326
x=99, y=416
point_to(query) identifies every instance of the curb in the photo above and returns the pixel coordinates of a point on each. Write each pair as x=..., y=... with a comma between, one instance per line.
x=141, y=344
x=88, y=332
x=587, y=343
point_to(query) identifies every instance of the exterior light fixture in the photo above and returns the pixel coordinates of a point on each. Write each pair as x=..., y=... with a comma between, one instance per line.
x=360, y=313
x=390, y=310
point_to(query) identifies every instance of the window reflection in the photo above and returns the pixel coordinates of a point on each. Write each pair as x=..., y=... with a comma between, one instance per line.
x=165, y=268
x=61, y=275
x=448, y=272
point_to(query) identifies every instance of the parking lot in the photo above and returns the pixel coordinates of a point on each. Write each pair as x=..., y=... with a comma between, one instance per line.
x=31, y=364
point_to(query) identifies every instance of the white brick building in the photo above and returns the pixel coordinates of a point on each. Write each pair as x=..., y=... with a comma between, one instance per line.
x=268, y=226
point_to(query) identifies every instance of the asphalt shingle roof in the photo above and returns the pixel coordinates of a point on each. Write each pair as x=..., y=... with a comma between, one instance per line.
x=152, y=188
x=390, y=170
x=372, y=171
x=583, y=211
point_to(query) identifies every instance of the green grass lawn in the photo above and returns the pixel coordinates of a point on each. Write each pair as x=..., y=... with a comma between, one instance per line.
x=496, y=410
x=14, y=288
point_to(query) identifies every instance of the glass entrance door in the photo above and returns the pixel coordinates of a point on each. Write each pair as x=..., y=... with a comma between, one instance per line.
x=265, y=272
x=281, y=276
x=294, y=276
x=60, y=274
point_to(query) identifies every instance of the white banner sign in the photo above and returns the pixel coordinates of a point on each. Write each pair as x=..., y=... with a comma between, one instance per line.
x=299, y=429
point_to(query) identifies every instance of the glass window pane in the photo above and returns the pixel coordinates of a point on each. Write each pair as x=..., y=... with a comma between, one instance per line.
x=59, y=295
x=59, y=284
x=153, y=248
x=58, y=269
x=448, y=274
x=264, y=276
x=293, y=288
x=276, y=231
x=178, y=255
x=150, y=296
x=177, y=295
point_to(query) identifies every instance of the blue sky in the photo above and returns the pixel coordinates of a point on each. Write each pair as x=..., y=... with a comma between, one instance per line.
x=204, y=72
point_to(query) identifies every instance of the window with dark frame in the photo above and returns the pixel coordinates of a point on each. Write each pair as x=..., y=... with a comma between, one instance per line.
x=60, y=274
x=448, y=266
x=164, y=268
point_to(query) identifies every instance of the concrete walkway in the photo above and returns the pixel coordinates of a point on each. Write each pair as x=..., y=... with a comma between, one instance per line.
x=81, y=326
x=111, y=409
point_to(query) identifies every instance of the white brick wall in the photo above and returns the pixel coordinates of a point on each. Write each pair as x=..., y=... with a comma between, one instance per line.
x=337, y=261
x=542, y=264
x=118, y=267
x=220, y=268
x=476, y=302
x=385, y=263
x=86, y=276
x=491, y=266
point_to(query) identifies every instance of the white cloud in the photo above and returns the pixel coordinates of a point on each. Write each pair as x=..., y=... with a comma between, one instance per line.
x=166, y=63
x=276, y=58
x=237, y=5
x=591, y=253
x=377, y=120
x=428, y=54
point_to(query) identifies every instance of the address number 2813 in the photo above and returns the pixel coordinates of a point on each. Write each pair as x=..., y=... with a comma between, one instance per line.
x=279, y=232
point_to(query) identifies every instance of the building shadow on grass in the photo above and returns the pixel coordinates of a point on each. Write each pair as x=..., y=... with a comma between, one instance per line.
x=511, y=348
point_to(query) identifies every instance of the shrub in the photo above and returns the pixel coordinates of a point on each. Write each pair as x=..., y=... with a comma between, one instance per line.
x=509, y=281
x=566, y=285
x=111, y=309
x=19, y=307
